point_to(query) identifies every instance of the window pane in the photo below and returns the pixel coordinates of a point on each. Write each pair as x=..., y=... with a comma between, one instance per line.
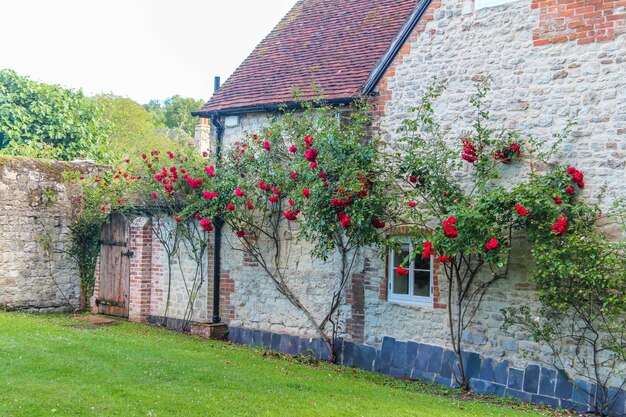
x=421, y=286
x=421, y=263
x=400, y=282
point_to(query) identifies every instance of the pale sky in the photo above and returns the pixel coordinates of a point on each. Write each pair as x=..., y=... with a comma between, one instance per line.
x=142, y=49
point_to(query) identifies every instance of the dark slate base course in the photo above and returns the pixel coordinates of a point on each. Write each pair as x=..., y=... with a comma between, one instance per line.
x=170, y=323
x=413, y=360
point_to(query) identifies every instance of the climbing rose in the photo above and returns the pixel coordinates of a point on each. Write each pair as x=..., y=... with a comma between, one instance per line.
x=209, y=194
x=249, y=204
x=428, y=250
x=402, y=270
x=241, y=233
x=306, y=193
x=292, y=149
x=412, y=204
x=294, y=175
x=291, y=215
x=308, y=141
x=570, y=190
x=230, y=207
x=154, y=195
x=273, y=199
x=197, y=216
x=449, y=229
x=206, y=225
x=344, y=219
x=290, y=202
x=492, y=244
x=412, y=179
x=310, y=155
x=377, y=223
x=144, y=156
x=444, y=259
x=557, y=200
x=577, y=176
x=469, y=152
x=266, y=146
x=313, y=165
x=103, y=209
x=177, y=219
x=239, y=193
x=210, y=171
x=560, y=226
x=275, y=190
x=522, y=211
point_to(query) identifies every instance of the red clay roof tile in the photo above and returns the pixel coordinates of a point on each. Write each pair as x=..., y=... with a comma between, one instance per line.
x=320, y=45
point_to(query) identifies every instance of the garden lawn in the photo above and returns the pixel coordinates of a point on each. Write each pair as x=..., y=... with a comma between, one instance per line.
x=49, y=368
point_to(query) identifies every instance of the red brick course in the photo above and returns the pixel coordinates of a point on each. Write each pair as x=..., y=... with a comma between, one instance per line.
x=583, y=21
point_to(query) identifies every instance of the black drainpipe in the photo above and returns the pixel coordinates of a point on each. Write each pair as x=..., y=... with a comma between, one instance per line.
x=218, y=222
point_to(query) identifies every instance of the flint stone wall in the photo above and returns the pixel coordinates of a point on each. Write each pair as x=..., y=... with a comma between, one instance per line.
x=36, y=206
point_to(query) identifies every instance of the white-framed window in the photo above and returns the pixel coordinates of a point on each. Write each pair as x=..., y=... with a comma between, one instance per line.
x=417, y=286
x=482, y=4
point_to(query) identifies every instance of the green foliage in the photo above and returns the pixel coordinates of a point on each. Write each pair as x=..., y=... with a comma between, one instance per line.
x=42, y=120
x=131, y=129
x=175, y=113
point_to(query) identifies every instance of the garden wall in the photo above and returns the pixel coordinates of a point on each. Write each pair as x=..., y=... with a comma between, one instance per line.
x=36, y=206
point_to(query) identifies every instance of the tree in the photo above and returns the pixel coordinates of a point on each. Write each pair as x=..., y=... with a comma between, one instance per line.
x=175, y=113
x=42, y=120
x=130, y=129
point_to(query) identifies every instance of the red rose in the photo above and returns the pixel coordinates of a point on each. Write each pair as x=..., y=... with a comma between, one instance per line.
x=230, y=207
x=449, y=229
x=570, y=190
x=241, y=233
x=210, y=171
x=197, y=216
x=469, y=152
x=292, y=149
x=275, y=190
x=412, y=204
x=522, y=211
x=557, y=200
x=345, y=222
x=291, y=215
x=144, y=156
x=82, y=177
x=571, y=170
x=266, y=146
x=154, y=195
x=206, y=225
x=428, y=250
x=273, y=199
x=209, y=194
x=402, y=271
x=249, y=204
x=239, y=193
x=290, y=202
x=377, y=223
x=412, y=179
x=177, y=219
x=444, y=259
x=492, y=244
x=581, y=184
x=308, y=141
x=103, y=209
x=294, y=175
x=560, y=226
x=306, y=193
x=310, y=155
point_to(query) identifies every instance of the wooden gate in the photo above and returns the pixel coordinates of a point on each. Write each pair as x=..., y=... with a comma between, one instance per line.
x=114, y=267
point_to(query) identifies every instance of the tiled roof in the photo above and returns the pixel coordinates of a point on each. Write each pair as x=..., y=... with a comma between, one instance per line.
x=327, y=45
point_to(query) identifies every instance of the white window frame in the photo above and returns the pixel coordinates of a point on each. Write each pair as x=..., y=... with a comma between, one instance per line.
x=483, y=4
x=409, y=298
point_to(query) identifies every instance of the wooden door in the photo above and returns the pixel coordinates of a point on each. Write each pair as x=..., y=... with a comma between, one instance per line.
x=114, y=266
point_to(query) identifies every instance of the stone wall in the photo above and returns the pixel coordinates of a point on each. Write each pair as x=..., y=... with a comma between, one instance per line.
x=36, y=206
x=536, y=87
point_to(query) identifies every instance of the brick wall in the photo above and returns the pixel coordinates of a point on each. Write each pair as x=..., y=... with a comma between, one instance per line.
x=583, y=21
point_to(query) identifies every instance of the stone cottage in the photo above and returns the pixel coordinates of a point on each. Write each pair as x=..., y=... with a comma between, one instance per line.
x=547, y=60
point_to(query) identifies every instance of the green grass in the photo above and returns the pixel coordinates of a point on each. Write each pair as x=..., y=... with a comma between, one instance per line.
x=49, y=368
